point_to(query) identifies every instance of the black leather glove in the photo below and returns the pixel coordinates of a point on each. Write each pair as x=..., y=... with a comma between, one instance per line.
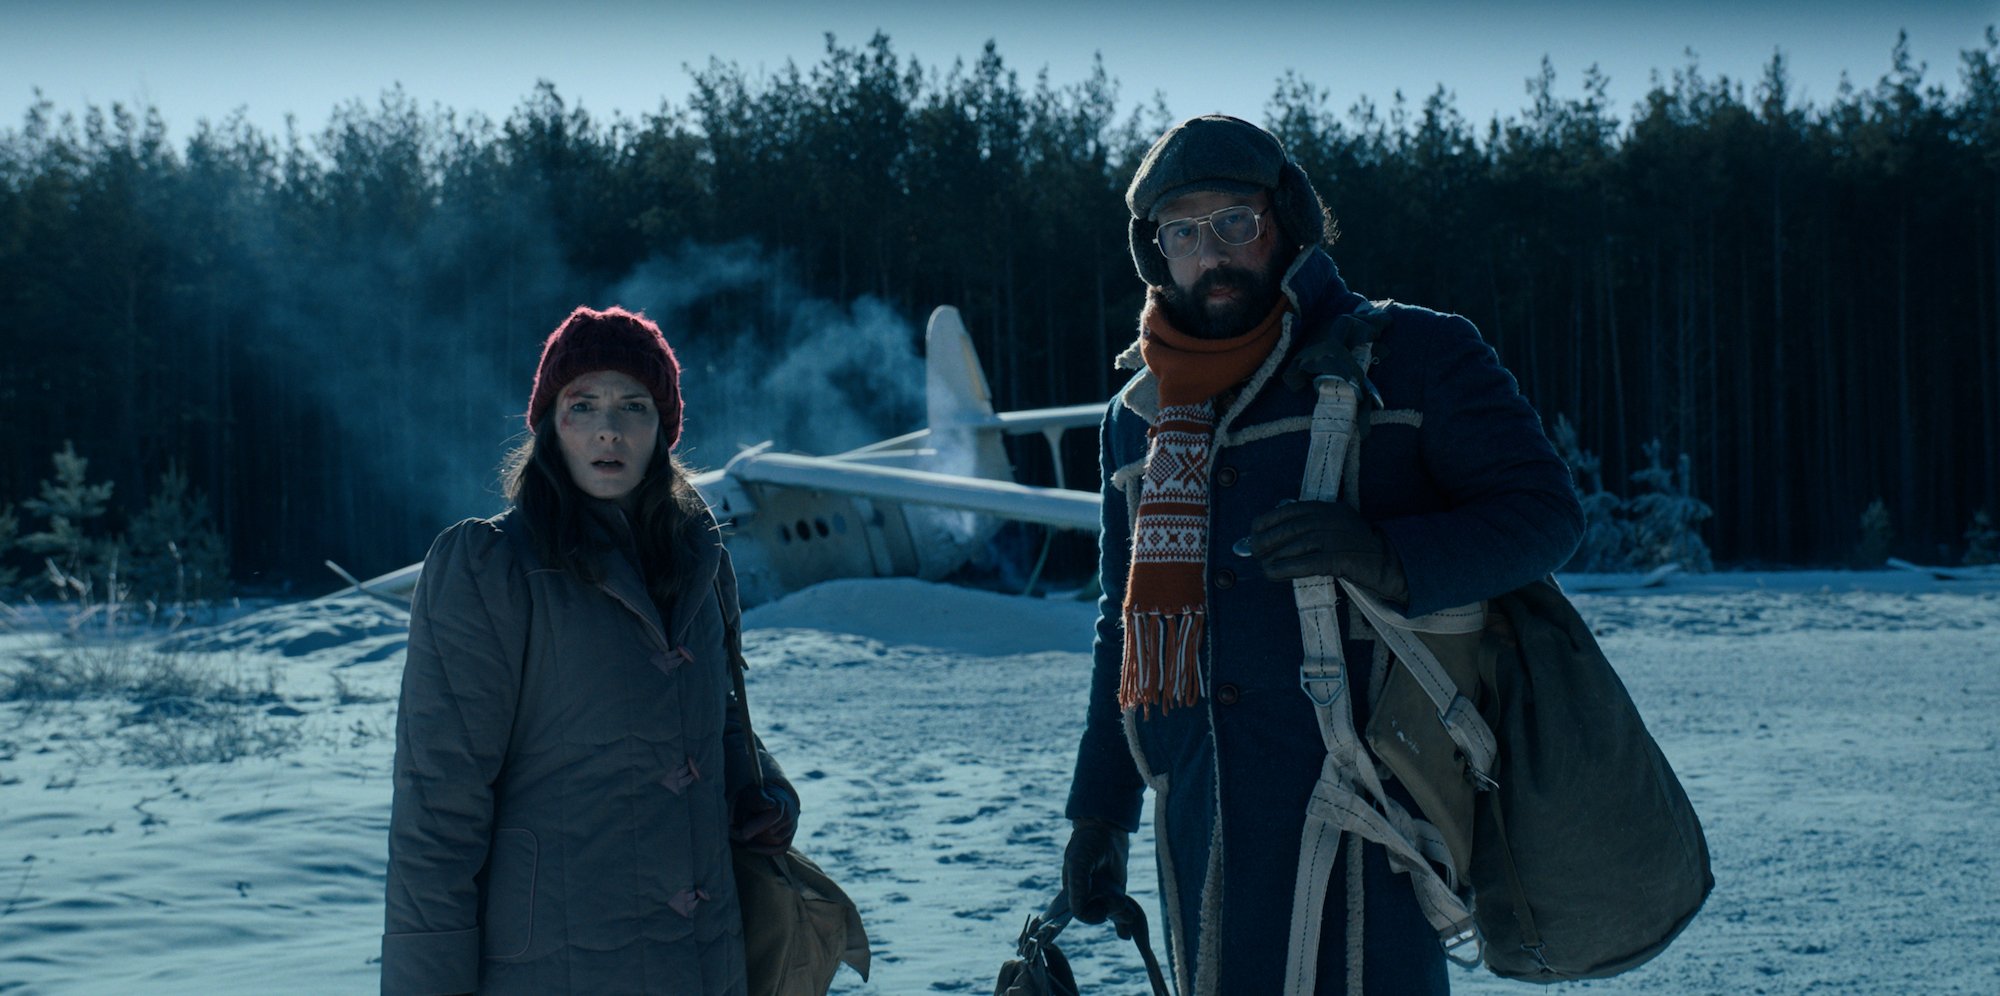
x=1093, y=869
x=1306, y=538
x=765, y=821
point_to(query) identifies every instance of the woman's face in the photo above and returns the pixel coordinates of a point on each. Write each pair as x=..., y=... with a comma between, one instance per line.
x=607, y=424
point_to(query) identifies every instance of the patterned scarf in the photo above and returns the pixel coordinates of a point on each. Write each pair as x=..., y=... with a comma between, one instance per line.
x=1166, y=599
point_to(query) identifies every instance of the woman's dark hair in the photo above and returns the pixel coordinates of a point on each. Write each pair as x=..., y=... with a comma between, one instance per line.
x=667, y=521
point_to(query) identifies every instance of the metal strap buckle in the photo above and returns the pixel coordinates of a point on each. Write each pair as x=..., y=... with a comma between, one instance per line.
x=1332, y=682
x=1460, y=935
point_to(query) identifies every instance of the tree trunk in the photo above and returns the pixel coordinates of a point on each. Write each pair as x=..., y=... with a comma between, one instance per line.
x=1578, y=280
x=1781, y=490
x=1656, y=381
x=1614, y=450
x=1531, y=368
x=1683, y=435
x=1103, y=338
x=1906, y=430
x=1749, y=518
x=1711, y=364
x=1990, y=366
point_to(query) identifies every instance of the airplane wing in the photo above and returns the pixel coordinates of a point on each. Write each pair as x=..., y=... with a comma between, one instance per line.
x=1061, y=508
x=395, y=587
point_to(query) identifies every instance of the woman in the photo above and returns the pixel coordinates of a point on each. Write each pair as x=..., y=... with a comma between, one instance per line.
x=569, y=774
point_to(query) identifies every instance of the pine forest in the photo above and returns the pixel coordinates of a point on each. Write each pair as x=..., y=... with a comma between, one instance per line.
x=327, y=335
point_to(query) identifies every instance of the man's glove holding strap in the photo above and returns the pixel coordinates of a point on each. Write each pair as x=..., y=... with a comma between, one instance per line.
x=1308, y=538
x=1093, y=870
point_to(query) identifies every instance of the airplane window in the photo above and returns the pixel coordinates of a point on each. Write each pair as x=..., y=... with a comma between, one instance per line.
x=819, y=526
x=804, y=531
x=785, y=533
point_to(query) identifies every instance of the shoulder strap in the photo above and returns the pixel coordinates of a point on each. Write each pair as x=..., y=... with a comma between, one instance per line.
x=732, y=643
x=1349, y=798
x=1342, y=349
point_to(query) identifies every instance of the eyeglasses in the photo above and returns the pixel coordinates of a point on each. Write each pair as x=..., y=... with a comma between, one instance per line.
x=1236, y=226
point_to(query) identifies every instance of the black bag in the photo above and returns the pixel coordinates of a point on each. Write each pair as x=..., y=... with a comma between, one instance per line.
x=1588, y=859
x=1041, y=969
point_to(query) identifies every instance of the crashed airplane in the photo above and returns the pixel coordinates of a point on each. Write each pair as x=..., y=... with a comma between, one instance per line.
x=918, y=505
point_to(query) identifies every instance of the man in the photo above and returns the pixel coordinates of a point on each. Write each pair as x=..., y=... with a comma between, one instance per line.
x=1455, y=496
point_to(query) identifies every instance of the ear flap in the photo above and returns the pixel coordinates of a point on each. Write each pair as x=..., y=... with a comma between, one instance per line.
x=1146, y=257
x=1298, y=206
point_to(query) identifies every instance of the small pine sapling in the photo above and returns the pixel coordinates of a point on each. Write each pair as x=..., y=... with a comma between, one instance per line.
x=1982, y=541
x=10, y=527
x=69, y=503
x=1878, y=536
x=176, y=556
x=1666, y=521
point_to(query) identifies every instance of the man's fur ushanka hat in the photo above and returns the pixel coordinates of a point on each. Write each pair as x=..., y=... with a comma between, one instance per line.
x=1218, y=152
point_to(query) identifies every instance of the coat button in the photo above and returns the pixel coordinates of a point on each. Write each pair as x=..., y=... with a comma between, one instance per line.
x=1225, y=477
x=1227, y=695
x=1225, y=578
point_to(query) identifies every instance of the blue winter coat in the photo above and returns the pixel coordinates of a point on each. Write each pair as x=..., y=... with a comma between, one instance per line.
x=1457, y=473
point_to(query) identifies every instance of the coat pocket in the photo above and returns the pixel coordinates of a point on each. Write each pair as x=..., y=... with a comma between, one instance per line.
x=506, y=919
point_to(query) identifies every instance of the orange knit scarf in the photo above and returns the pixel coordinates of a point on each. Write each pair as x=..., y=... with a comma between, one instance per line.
x=1166, y=592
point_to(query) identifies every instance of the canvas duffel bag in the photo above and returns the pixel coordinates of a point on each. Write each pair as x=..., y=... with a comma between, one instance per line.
x=1583, y=855
x=1588, y=858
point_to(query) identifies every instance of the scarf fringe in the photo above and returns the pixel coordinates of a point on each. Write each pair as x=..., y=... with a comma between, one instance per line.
x=1162, y=650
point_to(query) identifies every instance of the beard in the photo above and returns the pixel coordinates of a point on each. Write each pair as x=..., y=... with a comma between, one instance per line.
x=1191, y=312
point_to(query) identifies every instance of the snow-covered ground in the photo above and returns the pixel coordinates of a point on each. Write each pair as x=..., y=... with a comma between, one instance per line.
x=1839, y=733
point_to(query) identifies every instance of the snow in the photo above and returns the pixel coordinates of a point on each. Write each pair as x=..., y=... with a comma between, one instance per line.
x=1839, y=733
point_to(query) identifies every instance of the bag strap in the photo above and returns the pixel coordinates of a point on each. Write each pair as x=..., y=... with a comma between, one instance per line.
x=1128, y=916
x=1531, y=938
x=1459, y=716
x=1349, y=797
x=732, y=642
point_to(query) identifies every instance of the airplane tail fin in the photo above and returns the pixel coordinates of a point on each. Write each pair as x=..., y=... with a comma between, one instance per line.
x=954, y=382
x=964, y=432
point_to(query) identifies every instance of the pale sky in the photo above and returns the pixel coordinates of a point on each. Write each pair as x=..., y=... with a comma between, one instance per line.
x=206, y=58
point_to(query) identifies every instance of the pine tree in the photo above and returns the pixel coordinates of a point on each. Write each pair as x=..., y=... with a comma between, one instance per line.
x=176, y=554
x=69, y=503
x=1607, y=538
x=10, y=525
x=1877, y=535
x=1666, y=521
x=1982, y=541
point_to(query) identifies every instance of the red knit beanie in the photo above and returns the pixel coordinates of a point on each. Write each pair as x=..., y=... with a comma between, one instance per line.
x=612, y=339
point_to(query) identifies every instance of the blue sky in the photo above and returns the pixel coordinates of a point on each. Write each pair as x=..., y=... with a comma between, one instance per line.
x=206, y=58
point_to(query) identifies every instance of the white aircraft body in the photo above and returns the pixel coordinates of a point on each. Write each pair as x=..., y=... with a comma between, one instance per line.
x=918, y=505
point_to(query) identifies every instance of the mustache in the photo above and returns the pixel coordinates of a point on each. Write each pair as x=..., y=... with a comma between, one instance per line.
x=1230, y=277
